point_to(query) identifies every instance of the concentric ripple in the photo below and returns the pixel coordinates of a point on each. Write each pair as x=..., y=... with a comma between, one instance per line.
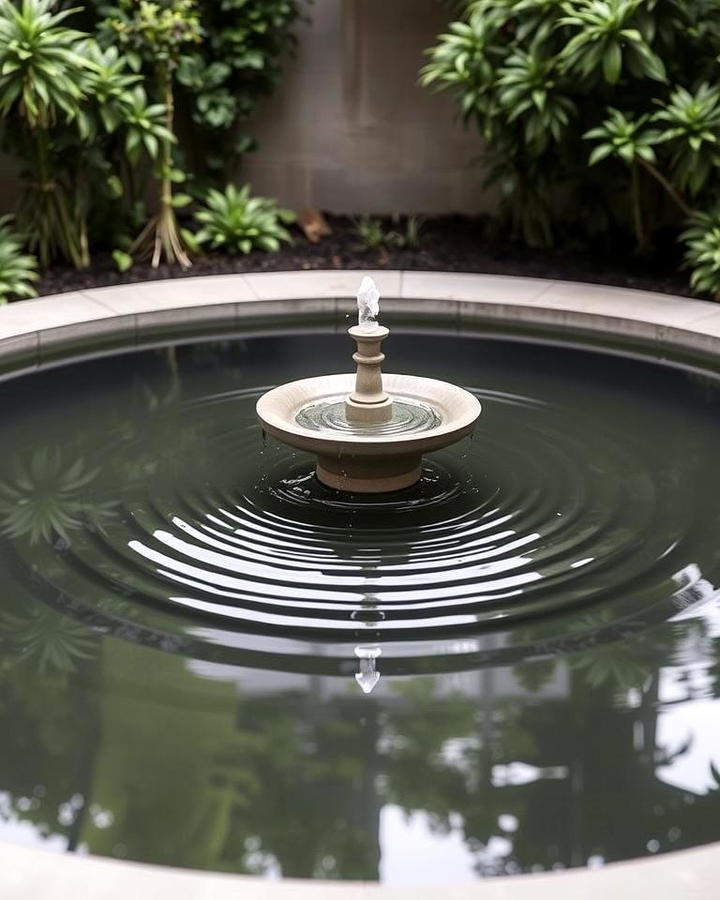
x=559, y=525
x=408, y=417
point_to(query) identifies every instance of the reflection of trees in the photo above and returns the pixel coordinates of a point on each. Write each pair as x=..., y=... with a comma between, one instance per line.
x=129, y=752
x=48, y=497
x=294, y=781
x=53, y=644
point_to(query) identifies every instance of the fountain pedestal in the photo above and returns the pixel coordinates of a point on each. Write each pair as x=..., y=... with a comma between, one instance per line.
x=369, y=404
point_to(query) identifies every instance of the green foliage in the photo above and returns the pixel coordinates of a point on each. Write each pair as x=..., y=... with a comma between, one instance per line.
x=623, y=138
x=702, y=240
x=42, y=64
x=637, y=78
x=156, y=35
x=609, y=36
x=373, y=235
x=48, y=498
x=122, y=260
x=223, y=78
x=157, y=32
x=65, y=102
x=692, y=126
x=54, y=644
x=17, y=269
x=240, y=223
x=43, y=73
x=88, y=95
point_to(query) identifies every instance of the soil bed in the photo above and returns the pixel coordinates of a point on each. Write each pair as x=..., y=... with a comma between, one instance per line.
x=452, y=243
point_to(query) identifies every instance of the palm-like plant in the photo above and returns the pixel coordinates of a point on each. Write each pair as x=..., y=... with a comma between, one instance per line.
x=17, y=269
x=43, y=66
x=607, y=40
x=692, y=126
x=239, y=222
x=42, y=78
x=702, y=255
x=527, y=92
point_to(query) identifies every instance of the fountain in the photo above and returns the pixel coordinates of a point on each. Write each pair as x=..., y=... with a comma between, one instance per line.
x=367, y=439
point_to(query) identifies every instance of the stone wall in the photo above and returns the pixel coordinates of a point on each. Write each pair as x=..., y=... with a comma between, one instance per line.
x=350, y=130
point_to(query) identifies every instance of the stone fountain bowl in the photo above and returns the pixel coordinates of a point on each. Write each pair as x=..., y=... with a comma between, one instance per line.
x=370, y=462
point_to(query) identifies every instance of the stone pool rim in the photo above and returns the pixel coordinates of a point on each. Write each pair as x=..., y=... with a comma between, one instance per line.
x=100, y=321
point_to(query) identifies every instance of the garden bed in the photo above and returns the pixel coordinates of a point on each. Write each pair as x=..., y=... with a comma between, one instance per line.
x=454, y=243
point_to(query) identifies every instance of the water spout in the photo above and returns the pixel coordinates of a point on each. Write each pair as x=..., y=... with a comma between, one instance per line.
x=368, y=301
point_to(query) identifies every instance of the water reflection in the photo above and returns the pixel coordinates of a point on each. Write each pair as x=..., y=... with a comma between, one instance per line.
x=570, y=735
x=368, y=676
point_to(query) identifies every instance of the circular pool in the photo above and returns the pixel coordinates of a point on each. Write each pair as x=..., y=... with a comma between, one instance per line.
x=210, y=660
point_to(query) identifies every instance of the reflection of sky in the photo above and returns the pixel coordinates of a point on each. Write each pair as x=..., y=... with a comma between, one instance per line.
x=25, y=833
x=699, y=720
x=413, y=854
x=684, y=719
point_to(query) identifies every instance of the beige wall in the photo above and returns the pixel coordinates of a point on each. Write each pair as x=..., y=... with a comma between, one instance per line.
x=350, y=131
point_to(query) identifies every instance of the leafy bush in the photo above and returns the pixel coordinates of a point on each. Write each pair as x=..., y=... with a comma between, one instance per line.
x=17, y=269
x=702, y=239
x=223, y=78
x=76, y=113
x=372, y=234
x=598, y=113
x=234, y=220
x=64, y=102
x=158, y=35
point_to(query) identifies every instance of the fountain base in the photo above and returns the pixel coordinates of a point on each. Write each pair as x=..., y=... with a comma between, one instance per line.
x=368, y=474
x=368, y=459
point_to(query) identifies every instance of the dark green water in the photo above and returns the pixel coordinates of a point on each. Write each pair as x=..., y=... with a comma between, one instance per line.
x=185, y=610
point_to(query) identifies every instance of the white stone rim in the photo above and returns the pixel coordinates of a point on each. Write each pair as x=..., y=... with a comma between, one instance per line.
x=277, y=409
x=36, y=333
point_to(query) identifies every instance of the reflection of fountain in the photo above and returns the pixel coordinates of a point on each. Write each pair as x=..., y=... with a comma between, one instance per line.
x=368, y=676
x=367, y=439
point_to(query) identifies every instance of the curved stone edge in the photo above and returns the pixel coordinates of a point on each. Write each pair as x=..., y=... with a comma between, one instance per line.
x=38, y=332
x=30, y=874
x=34, y=332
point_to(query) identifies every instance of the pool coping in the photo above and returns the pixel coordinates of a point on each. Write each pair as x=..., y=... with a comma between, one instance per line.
x=36, y=333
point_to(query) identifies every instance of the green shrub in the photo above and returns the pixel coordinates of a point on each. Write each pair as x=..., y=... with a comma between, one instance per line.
x=223, y=78
x=81, y=106
x=372, y=234
x=65, y=105
x=702, y=256
x=598, y=114
x=237, y=222
x=17, y=269
x=157, y=35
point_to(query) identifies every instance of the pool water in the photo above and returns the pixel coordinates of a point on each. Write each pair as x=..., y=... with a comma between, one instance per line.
x=208, y=659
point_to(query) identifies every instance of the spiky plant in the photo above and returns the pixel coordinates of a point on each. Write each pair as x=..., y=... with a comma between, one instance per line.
x=238, y=222
x=702, y=254
x=17, y=269
x=42, y=79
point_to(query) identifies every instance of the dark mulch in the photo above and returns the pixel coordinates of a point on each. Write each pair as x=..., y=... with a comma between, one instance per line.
x=451, y=243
